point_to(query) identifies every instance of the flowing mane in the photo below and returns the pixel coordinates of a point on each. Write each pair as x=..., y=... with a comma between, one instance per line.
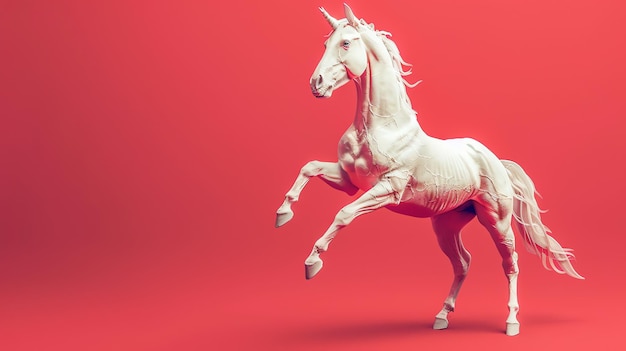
x=398, y=63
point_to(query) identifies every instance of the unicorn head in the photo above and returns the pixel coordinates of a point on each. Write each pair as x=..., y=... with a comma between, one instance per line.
x=344, y=58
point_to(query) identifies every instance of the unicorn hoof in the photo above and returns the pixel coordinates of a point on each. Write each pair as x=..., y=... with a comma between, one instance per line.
x=283, y=217
x=512, y=329
x=440, y=323
x=312, y=267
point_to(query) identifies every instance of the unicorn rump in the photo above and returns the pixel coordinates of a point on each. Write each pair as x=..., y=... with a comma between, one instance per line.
x=386, y=154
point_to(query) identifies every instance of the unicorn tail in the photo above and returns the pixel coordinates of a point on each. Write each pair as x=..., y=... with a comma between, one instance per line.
x=528, y=219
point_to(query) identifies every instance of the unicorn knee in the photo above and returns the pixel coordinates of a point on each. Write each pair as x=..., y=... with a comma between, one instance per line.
x=509, y=263
x=510, y=267
x=344, y=217
x=461, y=270
x=311, y=169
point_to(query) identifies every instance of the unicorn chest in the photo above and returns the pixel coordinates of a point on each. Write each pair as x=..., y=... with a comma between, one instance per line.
x=363, y=159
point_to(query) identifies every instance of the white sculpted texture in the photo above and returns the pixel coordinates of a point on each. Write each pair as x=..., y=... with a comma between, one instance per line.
x=387, y=156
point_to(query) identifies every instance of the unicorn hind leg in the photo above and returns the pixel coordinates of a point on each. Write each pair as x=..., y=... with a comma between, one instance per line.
x=495, y=215
x=448, y=227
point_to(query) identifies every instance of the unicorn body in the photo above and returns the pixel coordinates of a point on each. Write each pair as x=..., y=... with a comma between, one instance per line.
x=386, y=155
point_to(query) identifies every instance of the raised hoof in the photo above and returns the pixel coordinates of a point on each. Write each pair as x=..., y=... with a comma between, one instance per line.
x=283, y=217
x=512, y=329
x=440, y=323
x=312, y=267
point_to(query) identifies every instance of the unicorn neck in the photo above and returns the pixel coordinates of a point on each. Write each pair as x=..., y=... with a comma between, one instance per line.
x=381, y=98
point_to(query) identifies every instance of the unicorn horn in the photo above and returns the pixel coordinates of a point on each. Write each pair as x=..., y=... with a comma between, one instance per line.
x=333, y=22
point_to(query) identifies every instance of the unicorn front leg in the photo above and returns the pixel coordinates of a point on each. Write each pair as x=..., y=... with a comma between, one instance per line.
x=330, y=172
x=386, y=192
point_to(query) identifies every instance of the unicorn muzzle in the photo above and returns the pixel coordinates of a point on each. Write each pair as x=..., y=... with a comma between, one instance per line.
x=321, y=87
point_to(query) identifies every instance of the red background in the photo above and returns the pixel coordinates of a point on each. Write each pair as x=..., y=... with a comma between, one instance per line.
x=145, y=147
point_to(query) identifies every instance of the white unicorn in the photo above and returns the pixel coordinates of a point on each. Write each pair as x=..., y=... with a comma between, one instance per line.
x=386, y=154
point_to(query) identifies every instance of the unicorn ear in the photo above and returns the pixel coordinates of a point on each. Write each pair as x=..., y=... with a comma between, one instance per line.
x=350, y=15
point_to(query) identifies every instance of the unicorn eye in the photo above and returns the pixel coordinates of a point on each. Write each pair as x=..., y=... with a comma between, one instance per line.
x=345, y=44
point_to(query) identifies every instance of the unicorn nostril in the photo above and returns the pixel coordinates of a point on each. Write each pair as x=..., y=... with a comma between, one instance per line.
x=319, y=81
